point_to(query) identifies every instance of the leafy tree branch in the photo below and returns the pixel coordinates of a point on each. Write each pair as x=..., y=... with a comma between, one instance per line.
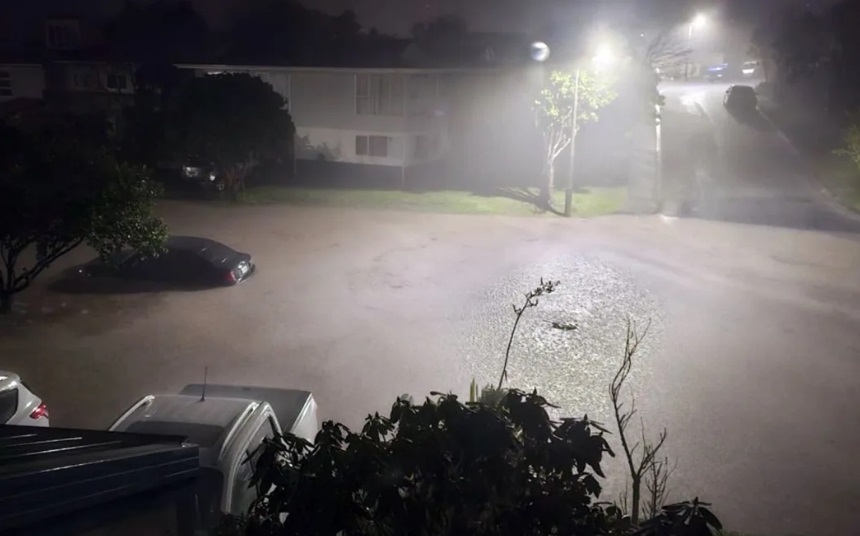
x=58, y=192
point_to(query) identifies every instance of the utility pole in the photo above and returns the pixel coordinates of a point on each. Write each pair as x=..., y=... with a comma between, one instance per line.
x=568, y=192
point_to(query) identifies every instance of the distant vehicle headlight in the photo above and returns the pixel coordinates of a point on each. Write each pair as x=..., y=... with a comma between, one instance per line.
x=191, y=171
x=211, y=176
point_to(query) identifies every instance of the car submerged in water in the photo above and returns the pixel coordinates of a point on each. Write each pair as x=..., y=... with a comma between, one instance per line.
x=189, y=261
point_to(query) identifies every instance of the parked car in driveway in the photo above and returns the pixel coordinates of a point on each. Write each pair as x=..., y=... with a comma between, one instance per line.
x=740, y=98
x=207, y=175
x=189, y=261
x=230, y=424
x=18, y=404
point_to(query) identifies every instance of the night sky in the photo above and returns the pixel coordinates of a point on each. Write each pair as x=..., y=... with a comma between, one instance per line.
x=393, y=16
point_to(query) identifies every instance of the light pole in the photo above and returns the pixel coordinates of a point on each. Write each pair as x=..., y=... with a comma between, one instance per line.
x=603, y=58
x=697, y=23
x=568, y=192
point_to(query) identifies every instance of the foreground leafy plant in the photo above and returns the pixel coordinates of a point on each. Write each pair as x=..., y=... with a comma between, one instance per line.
x=444, y=467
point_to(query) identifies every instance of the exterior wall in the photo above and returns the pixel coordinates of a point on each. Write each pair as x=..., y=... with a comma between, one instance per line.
x=492, y=131
x=323, y=105
x=324, y=109
x=83, y=87
x=90, y=77
x=25, y=81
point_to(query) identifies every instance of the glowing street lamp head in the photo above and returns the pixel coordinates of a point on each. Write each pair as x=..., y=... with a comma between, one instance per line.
x=699, y=21
x=539, y=51
x=603, y=57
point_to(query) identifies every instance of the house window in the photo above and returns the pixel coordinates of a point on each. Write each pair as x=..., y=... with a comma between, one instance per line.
x=116, y=81
x=62, y=36
x=379, y=94
x=5, y=84
x=376, y=146
x=85, y=78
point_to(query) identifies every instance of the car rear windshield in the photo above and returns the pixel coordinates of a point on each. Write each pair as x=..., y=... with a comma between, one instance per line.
x=8, y=404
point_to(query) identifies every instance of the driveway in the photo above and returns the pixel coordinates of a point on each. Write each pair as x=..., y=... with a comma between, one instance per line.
x=751, y=361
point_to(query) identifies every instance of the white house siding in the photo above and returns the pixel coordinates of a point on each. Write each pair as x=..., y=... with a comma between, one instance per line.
x=326, y=112
x=21, y=81
x=492, y=127
x=329, y=126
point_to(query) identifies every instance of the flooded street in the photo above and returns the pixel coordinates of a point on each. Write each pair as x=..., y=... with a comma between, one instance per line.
x=750, y=362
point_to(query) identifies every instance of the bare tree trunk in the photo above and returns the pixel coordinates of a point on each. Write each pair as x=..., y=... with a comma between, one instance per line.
x=5, y=302
x=548, y=186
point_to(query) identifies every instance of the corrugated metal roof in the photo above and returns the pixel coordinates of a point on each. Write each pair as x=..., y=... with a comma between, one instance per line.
x=48, y=473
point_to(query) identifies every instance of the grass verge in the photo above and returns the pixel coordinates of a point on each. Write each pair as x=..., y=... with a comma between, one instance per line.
x=587, y=203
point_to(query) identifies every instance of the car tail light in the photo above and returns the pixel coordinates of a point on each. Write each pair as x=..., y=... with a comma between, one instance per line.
x=41, y=411
x=230, y=277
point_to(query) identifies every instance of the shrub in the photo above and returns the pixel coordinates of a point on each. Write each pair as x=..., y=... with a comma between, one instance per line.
x=445, y=467
x=851, y=139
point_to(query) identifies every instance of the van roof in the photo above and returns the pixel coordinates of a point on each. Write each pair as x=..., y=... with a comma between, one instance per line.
x=204, y=422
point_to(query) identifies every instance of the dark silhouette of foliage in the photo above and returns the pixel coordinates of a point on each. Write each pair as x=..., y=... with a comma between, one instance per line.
x=445, y=467
x=233, y=121
x=59, y=190
x=158, y=32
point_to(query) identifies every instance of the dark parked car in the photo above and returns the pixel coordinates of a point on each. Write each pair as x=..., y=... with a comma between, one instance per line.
x=740, y=98
x=206, y=175
x=188, y=261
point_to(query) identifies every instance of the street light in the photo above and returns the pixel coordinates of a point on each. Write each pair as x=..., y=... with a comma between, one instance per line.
x=698, y=22
x=604, y=57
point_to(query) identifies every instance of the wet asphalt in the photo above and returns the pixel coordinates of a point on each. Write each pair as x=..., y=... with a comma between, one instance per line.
x=751, y=360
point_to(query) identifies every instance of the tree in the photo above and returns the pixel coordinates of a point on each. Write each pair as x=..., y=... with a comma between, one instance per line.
x=761, y=48
x=286, y=33
x=583, y=90
x=155, y=32
x=58, y=191
x=851, y=139
x=802, y=45
x=233, y=121
x=443, y=39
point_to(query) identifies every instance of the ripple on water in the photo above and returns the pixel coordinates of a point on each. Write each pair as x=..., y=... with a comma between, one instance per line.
x=572, y=369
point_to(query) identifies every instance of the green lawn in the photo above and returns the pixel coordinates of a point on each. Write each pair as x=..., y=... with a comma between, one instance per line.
x=590, y=202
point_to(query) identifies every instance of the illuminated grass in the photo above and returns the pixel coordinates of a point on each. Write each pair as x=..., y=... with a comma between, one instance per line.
x=587, y=203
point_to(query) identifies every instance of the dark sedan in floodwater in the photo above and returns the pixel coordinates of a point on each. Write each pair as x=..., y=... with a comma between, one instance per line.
x=188, y=261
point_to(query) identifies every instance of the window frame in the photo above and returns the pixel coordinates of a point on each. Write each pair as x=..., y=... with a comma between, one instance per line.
x=380, y=94
x=6, y=84
x=117, y=77
x=371, y=143
x=61, y=36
